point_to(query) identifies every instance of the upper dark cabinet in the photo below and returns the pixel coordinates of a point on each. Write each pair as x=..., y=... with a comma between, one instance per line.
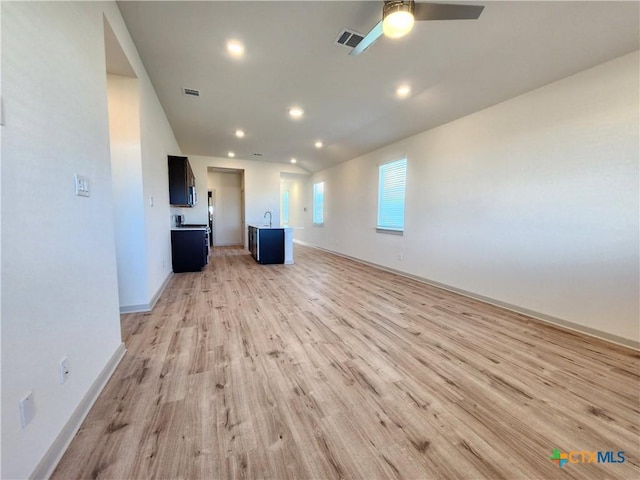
x=182, y=183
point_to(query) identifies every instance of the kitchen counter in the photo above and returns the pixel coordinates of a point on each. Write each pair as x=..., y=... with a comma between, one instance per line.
x=182, y=229
x=190, y=226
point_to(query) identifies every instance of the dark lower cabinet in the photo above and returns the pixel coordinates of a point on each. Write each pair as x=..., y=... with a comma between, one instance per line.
x=189, y=250
x=271, y=244
x=253, y=242
x=266, y=244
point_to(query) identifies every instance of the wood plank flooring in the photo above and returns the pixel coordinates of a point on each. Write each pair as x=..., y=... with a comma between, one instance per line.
x=331, y=369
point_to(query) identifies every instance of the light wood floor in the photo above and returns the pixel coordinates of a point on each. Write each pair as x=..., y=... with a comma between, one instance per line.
x=331, y=369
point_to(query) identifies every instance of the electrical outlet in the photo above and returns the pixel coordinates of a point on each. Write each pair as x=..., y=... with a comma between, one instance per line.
x=64, y=370
x=27, y=409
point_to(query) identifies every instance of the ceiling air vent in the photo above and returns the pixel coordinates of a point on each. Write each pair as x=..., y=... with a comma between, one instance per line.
x=349, y=38
x=191, y=91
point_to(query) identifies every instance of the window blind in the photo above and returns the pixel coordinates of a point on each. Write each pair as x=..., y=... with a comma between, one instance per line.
x=318, y=203
x=285, y=207
x=392, y=179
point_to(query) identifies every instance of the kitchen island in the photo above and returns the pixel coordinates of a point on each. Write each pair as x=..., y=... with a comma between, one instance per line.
x=271, y=245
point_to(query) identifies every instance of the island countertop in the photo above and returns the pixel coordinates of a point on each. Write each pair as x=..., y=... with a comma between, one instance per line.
x=267, y=227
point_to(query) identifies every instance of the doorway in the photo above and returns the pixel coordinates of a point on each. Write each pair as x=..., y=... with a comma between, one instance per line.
x=211, y=208
x=226, y=206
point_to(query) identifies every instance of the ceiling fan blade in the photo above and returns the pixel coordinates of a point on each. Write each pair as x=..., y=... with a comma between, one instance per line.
x=446, y=11
x=368, y=40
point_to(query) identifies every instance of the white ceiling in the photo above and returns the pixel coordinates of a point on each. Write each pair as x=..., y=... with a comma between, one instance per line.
x=454, y=68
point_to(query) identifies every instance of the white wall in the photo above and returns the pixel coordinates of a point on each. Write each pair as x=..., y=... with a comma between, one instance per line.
x=59, y=285
x=1, y=128
x=157, y=141
x=296, y=185
x=261, y=183
x=532, y=202
x=228, y=228
x=126, y=175
x=59, y=280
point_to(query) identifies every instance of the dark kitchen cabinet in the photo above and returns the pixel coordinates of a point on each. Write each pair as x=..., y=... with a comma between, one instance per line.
x=182, y=183
x=189, y=250
x=253, y=242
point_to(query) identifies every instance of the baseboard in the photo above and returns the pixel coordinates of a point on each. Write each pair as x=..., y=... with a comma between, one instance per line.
x=556, y=322
x=160, y=291
x=143, y=307
x=147, y=307
x=50, y=460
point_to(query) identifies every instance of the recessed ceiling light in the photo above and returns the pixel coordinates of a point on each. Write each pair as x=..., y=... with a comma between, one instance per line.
x=231, y=154
x=239, y=133
x=296, y=112
x=235, y=48
x=293, y=160
x=403, y=91
x=318, y=144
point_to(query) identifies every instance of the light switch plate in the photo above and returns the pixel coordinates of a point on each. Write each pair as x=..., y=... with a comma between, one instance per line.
x=27, y=409
x=63, y=370
x=82, y=185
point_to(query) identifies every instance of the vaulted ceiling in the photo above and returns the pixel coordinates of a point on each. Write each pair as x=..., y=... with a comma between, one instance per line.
x=291, y=59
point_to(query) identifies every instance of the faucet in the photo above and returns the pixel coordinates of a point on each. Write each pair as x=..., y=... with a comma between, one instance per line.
x=265, y=216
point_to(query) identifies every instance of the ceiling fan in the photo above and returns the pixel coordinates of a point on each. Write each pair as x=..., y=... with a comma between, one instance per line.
x=398, y=17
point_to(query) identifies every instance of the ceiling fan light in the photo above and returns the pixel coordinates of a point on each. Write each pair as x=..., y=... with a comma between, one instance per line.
x=397, y=19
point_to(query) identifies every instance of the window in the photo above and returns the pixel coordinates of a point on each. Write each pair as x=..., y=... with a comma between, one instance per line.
x=391, y=191
x=318, y=203
x=285, y=207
